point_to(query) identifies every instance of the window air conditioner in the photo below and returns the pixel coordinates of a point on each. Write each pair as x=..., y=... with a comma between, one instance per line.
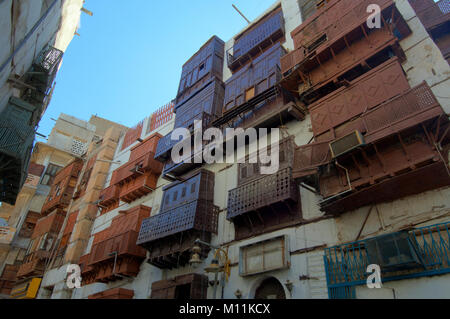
x=346, y=144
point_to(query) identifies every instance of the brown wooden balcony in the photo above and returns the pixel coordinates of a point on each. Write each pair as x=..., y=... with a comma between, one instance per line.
x=8, y=279
x=413, y=107
x=431, y=13
x=138, y=187
x=63, y=187
x=325, y=66
x=264, y=204
x=87, y=272
x=139, y=176
x=114, y=252
x=109, y=198
x=362, y=94
x=129, y=257
x=137, y=167
x=51, y=223
x=335, y=20
x=33, y=264
x=114, y=293
x=189, y=286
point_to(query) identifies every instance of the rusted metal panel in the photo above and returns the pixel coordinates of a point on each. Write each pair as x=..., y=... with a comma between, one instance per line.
x=256, y=77
x=256, y=39
x=200, y=69
x=373, y=88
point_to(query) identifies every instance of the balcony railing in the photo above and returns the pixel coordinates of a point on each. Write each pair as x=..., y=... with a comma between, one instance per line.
x=33, y=264
x=424, y=251
x=364, y=93
x=409, y=109
x=262, y=192
x=196, y=215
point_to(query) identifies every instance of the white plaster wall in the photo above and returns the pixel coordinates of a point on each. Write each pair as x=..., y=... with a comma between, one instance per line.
x=436, y=287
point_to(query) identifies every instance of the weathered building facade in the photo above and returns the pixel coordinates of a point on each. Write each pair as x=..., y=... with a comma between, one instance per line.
x=34, y=36
x=363, y=172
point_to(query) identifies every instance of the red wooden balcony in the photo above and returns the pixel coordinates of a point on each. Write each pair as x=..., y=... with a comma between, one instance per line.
x=8, y=279
x=114, y=252
x=63, y=187
x=139, y=176
x=87, y=272
x=51, y=223
x=364, y=93
x=332, y=22
x=114, y=293
x=138, y=187
x=33, y=264
x=413, y=107
x=109, y=198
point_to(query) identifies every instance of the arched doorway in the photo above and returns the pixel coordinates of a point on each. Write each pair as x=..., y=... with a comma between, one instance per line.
x=270, y=288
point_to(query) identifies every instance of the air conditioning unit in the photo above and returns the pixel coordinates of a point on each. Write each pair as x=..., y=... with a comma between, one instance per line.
x=347, y=143
x=393, y=252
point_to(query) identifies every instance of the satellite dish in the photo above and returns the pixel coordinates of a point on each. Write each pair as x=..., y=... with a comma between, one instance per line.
x=3, y=222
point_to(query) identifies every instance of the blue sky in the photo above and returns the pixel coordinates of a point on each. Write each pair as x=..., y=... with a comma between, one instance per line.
x=127, y=61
